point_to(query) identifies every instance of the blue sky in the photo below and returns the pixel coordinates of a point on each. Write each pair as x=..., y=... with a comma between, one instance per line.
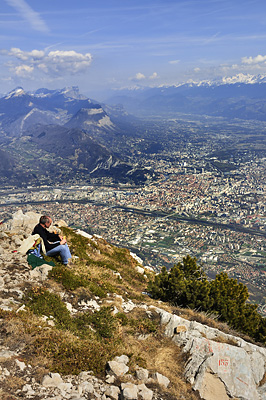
x=106, y=44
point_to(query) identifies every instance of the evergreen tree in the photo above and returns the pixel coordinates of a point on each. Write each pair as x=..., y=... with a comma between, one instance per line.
x=229, y=301
x=186, y=285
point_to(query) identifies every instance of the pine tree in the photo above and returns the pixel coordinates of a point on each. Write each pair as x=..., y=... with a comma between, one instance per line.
x=186, y=285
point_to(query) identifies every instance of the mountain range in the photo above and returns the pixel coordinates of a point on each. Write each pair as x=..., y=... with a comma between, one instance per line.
x=58, y=136
x=50, y=136
x=242, y=97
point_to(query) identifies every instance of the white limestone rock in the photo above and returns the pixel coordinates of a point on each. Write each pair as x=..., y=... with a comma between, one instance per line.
x=262, y=392
x=2, y=282
x=23, y=223
x=161, y=379
x=137, y=258
x=52, y=379
x=29, y=390
x=3, y=235
x=144, y=393
x=117, y=368
x=21, y=365
x=122, y=359
x=128, y=306
x=17, y=240
x=142, y=374
x=84, y=234
x=231, y=366
x=110, y=379
x=86, y=387
x=6, y=354
x=140, y=270
x=129, y=391
x=113, y=392
x=41, y=272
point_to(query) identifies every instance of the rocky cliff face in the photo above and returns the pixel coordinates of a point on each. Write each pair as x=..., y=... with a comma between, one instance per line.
x=218, y=365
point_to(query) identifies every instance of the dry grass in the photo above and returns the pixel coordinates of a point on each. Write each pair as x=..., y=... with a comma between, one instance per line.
x=6, y=395
x=14, y=382
x=137, y=334
x=159, y=354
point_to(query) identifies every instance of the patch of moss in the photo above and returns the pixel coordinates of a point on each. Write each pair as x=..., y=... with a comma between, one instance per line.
x=42, y=302
x=68, y=278
x=97, y=289
x=81, y=343
x=72, y=281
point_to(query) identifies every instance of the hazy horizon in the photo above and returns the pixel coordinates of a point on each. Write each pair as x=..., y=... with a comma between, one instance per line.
x=110, y=45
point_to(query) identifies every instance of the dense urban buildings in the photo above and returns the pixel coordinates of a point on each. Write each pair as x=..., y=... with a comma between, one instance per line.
x=217, y=217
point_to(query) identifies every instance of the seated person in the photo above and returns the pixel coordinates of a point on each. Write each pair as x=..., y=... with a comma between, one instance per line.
x=54, y=243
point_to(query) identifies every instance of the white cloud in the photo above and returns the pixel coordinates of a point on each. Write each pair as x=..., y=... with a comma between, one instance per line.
x=196, y=69
x=154, y=76
x=174, y=62
x=23, y=70
x=54, y=63
x=25, y=55
x=256, y=60
x=29, y=14
x=139, y=76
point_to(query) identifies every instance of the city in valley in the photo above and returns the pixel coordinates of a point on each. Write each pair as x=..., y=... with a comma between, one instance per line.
x=207, y=200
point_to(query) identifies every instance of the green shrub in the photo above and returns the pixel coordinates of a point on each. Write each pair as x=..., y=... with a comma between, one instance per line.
x=123, y=319
x=81, y=343
x=104, y=322
x=186, y=285
x=43, y=302
x=143, y=326
x=140, y=325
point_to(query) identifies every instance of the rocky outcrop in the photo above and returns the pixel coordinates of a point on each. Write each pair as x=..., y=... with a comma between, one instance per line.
x=21, y=223
x=77, y=387
x=15, y=275
x=219, y=365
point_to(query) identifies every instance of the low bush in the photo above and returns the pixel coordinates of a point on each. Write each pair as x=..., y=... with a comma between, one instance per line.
x=71, y=355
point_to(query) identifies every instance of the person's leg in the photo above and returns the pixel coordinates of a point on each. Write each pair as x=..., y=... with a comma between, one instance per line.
x=63, y=250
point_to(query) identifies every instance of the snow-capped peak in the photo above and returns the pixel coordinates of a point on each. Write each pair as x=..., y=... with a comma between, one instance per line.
x=71, y=92
x=18, y=91
x=247, y=79
x=231, y=80
x=244, y=78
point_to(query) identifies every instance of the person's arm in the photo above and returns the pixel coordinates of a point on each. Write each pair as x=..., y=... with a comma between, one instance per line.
x=53, y=237
x=45, y=236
